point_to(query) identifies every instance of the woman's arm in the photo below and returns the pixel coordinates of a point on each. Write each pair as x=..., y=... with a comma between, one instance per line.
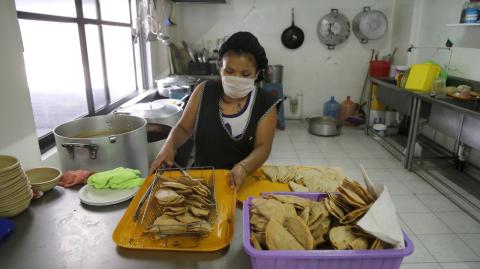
x=181, y=132
x=263, y=145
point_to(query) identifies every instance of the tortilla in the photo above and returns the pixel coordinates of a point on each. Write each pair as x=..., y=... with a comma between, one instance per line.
x=295, y=187
x=298, y=202
x=258, y=222
x=278, y=238
x=341, y=237
x=188, y=218
x=299, y=229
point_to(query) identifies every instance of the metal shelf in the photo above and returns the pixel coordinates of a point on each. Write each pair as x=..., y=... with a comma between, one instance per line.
x=463, y=24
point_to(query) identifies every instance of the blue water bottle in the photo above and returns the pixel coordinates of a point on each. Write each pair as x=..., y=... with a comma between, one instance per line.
x=331, y=108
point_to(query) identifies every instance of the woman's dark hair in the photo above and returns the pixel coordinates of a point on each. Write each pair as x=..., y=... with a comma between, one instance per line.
x=246, y=43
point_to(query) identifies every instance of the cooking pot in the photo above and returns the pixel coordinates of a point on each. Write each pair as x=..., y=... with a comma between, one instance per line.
x=102, y=143
x=156, y=136
x=275, y=73
x=154, y=112
x=161, y=116
x=324, y=126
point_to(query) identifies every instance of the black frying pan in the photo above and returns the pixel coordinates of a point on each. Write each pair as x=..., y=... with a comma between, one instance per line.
x=292, y=37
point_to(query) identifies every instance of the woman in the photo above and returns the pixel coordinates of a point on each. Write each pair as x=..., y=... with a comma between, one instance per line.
x=231, y=121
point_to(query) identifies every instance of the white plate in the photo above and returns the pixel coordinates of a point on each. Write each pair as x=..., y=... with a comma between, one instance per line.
x=102, y=197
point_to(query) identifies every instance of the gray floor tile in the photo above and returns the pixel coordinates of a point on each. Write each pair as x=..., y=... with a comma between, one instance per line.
x=459, y=222
x=421, y=187
x=286, y=161
x=424, y=223
x=314, y=162
x=448, y=248
x=420, y=266
x=344, y=163
x=438, y=202
x=461, y=265
x=420, y=254
x=396, y=187
x=409, y=204
x=473, y=241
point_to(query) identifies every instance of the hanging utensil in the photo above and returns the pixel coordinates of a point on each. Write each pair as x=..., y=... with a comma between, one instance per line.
x=369, y=25
x=189, y=51
x=293, y=37
x=169, y=20
x=333, y=29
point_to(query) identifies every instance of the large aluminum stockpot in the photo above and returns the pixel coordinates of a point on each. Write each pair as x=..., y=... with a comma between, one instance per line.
x=102, y=143
x=161, y=116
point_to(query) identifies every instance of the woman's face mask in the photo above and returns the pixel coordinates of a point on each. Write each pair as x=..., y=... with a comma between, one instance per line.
x=238, y=74
x=237, y=87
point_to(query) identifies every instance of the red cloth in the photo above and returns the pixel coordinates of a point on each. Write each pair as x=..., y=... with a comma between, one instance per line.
x=72, y=178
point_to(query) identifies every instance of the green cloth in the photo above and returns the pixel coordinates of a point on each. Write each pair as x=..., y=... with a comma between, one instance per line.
x=118, y=178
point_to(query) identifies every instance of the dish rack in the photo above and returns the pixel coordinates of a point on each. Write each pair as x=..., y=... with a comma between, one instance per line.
x=151, y=209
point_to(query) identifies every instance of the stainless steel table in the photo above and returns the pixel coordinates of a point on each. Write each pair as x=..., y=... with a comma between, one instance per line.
x=57, y=231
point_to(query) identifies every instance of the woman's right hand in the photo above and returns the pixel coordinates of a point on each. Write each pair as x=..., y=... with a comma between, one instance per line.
x=164, y=158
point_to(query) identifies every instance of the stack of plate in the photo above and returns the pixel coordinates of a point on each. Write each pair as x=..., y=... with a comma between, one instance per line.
x=15, y=190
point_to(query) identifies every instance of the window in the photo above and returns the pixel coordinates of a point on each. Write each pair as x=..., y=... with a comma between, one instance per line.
x=80, y=59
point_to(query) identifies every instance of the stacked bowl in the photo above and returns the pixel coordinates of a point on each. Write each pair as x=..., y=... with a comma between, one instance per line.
x=15, y=190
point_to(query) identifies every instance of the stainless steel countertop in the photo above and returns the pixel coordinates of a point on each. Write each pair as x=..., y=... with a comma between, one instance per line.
x=57, y=231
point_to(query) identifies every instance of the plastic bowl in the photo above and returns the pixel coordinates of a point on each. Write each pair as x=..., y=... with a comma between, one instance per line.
x=8, y=163
x=43, y=178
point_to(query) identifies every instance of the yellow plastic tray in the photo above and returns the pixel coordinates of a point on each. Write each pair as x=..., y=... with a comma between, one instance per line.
x=129, y=234
x=257, y=183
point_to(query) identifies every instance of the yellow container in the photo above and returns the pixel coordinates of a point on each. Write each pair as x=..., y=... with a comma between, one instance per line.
x=421, y=77
x=375, y=104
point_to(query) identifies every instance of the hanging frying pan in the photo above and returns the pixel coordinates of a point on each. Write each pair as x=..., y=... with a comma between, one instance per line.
x=292, y=37
x=369, y=25
x=333, y=29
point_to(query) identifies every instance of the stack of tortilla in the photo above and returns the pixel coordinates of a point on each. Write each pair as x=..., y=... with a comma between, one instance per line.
x=287, y=222
x=185, y=206
x=306, y=179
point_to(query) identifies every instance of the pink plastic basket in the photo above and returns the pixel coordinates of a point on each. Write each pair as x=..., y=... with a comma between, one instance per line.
x=320, y=259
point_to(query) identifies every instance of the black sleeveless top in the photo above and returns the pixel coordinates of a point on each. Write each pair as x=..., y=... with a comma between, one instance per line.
x=213, y=144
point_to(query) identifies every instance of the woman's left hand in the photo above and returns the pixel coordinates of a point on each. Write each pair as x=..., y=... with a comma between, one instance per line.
x=236, y=177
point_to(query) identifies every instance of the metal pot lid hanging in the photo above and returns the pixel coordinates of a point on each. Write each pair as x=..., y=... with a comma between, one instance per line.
x=333, y=29
x=369, y=25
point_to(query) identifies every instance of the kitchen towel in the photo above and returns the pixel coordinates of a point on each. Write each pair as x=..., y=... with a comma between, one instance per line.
x=73, y=178
x=118, y=178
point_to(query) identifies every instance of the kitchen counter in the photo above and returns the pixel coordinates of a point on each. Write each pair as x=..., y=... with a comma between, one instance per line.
x=57, y=231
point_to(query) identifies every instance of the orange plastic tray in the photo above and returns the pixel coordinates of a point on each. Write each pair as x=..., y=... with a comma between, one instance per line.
x=129, y=234
x=257, y=183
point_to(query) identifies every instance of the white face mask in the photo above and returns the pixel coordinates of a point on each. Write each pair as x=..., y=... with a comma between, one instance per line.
x=237, y=87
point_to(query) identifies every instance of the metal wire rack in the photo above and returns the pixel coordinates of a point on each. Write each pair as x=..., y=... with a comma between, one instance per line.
x=195, y=230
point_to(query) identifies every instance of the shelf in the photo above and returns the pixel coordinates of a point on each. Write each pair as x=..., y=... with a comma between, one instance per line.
x=463, y=24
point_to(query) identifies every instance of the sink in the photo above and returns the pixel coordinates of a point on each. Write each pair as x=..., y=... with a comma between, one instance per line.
x=394, y=97
x=467, y=104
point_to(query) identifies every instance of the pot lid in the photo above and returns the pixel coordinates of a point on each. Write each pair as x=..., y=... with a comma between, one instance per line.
x=333, y=29
x=369, y=25
x=151, y=110
x=177, y=80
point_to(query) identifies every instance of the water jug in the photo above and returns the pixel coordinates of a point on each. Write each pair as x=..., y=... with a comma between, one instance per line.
x=332, y=108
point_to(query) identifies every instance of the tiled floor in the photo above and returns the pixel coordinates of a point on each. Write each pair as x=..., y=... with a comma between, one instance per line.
x=444, y=236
